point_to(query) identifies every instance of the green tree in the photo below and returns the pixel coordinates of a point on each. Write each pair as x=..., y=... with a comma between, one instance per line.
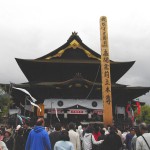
x=5, y=103
x=144, y=115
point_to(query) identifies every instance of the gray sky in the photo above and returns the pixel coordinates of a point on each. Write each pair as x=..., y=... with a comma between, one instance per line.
x=33, y=28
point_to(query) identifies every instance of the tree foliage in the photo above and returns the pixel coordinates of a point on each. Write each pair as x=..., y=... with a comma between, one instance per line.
x=5, y=102
x=144, y=115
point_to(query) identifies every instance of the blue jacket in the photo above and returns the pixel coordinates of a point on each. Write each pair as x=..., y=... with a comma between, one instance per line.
x=38, y=139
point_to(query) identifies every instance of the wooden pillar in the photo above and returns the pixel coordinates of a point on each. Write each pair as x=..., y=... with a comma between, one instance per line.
x=105, y=73
x=40, y=113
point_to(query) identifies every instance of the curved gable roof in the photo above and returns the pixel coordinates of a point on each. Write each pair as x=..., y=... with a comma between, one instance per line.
x=74, y=56
x=74, y=48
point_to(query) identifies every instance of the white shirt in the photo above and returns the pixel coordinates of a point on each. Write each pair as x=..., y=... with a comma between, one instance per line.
x=88, y=139
x=75, y=139
x=141, y=144
x=3, y=146
x=63, y=145
x=124, y=136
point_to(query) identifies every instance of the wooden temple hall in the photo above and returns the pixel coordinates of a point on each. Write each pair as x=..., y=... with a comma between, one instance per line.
x=68, y=82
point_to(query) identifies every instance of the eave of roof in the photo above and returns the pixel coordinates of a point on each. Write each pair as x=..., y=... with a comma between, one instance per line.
x=78, y=61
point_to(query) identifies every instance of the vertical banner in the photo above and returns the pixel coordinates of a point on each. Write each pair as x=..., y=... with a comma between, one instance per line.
x=40, y=113
x=105, y=73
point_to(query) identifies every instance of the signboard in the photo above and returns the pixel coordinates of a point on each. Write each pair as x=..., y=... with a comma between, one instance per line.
x=105, y=73
x=77, y=111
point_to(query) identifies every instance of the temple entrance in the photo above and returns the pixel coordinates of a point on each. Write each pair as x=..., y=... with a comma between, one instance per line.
x=77, y=118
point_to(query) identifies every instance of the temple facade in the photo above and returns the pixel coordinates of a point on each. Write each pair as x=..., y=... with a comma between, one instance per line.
x=68, y=82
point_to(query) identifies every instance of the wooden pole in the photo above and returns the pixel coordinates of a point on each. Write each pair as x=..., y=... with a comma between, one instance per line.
x=105, y=73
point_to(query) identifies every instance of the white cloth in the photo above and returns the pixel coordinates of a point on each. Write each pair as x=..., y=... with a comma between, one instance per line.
x=87, y=141
x=140, y=142
x=80, y=132
x=120, y=134
x=133, y=142
x=106, y=131
x=124, y=136
x=3, y=146
x=63, y=145
x=75, y=139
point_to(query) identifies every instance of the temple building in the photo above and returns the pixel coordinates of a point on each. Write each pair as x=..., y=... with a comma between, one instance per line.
x=68, y=82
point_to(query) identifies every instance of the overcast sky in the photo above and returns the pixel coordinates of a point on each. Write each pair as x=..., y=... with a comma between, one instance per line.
x=32, y=28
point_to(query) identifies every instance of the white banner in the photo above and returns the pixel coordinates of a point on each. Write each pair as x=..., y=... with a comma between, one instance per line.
x=66, y=103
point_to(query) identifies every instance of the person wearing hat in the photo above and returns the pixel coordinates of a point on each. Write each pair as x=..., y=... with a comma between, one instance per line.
x=129, y=137
x=133, y=141
x=8, y=139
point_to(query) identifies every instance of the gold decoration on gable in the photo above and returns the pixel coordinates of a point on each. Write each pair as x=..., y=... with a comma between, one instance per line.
x=59, y=54
x=90, y=55
x=74, y=44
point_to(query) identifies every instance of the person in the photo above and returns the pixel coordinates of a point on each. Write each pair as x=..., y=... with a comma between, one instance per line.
x=74, y=136
x=112, y=140
x=124, y=134
x=18, y=140
x=55, y=136
x=3, y=146
x=1, y=136
x=64, y=143
x=133, y=141
x=101, y=137
x=120, y=134
x=38, y=138
x=88, y=139
x=96, y=133
x=48, y=130
x=27, y=129
x=129, y=137
x=143, y=141
x=8, y=139
x=80, y=132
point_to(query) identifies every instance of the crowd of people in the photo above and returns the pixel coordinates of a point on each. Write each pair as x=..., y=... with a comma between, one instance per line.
x=72, y=137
